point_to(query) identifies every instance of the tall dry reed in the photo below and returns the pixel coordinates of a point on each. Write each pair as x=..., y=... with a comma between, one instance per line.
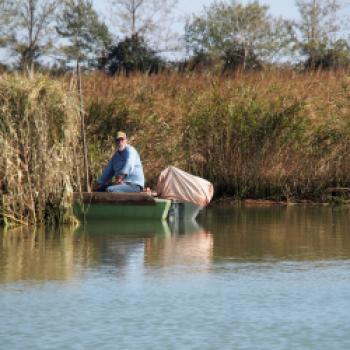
x=40, y=159
x=276, y=134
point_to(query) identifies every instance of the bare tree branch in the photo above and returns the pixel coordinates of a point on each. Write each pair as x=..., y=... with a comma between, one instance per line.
x=30, y=28
x=147, y=18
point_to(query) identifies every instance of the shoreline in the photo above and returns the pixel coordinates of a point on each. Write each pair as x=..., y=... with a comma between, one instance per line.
x=274, y=203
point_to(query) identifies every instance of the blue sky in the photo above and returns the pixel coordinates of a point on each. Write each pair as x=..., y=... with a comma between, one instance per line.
x=286, y=8
x=278, y=7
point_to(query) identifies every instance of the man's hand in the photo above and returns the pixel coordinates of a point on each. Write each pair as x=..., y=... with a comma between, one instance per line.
x=96, y=187
x=119, y=180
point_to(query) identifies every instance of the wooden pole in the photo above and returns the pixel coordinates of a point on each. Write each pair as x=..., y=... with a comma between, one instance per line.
x=82, y=130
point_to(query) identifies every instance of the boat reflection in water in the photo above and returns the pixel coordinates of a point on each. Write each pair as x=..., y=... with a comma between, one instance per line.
x=152, y=243
x=28, y=254
x=124, y=248
x=123, y=227
x=189, y=244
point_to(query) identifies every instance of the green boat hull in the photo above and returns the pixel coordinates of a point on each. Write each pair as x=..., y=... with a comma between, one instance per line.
x=130, y=208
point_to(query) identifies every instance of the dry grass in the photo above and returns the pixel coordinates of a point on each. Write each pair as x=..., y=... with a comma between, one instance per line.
x=272, y=134
x=39, y=159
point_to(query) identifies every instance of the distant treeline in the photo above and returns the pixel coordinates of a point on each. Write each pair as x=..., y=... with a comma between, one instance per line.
x=55, y=36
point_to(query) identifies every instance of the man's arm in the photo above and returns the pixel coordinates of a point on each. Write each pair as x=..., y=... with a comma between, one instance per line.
x=129, y=164
x=107, y=174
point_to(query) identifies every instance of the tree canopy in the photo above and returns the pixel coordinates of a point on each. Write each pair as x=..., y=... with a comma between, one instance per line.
x=228, y=34
x=131, y=54
x=244, y=31
x=87, y=36
x=322, y=34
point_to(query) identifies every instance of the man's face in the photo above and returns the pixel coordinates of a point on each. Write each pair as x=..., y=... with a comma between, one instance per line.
x=121, y=143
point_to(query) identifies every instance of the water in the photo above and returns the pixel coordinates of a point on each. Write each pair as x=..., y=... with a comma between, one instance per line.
x=244, y=278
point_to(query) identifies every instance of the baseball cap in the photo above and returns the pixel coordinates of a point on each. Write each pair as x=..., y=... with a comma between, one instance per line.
x=121, y=135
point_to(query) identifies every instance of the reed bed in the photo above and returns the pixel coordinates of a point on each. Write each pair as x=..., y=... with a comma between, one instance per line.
x=277, y=134
x=40, y=159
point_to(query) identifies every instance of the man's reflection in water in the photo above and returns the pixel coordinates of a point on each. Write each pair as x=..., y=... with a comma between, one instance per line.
x=117, y=244
x=149, y=243
x=119, y=247
x=123, y=247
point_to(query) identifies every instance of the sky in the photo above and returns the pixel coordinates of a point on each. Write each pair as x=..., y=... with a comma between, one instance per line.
x=286, y=8
x=278, y=7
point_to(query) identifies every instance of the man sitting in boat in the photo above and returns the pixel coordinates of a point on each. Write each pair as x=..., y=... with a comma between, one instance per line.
x=126, y=166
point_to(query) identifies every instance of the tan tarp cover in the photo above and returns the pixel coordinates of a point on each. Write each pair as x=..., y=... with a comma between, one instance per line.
x=176, y=184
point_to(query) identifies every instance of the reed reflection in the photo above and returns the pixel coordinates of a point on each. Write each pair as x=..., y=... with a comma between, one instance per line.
x=28, y=254
x=243, y=234
x=292, y=233
x=33, y=254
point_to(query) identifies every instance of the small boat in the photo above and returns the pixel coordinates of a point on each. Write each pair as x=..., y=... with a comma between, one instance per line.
x=136, y=206
x=179, y=196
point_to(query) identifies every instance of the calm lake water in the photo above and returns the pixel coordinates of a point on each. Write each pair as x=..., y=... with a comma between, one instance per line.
x=243, y=278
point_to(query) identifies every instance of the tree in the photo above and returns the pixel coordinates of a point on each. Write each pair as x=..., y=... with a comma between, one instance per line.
x=233, y=28
x=145, y=18
x=319, y=29
x=86, y=36
x=132, y=54
x=29, y=25
x=338, y=56
x=238, y=56
x=5, y=16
